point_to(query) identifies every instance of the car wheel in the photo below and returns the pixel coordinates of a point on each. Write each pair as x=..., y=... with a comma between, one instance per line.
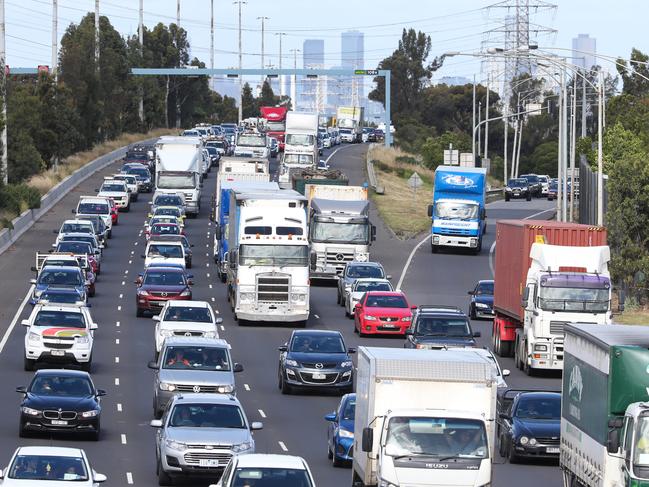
x=110, y=233
x=286, y=389
x=22, y=432
x=338, y=300
x=96, y=434
x=511, y=454
x=337, y=462
x=29, y=364
x=189, y=264
x=529, y=197
x=139, y=312
x=472, y=313
x=501, y=446
x=507, y=197
x=163, y=477
x=329, y=454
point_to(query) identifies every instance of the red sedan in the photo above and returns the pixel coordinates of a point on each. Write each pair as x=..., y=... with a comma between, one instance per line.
x=159, y=284
x=382, y=312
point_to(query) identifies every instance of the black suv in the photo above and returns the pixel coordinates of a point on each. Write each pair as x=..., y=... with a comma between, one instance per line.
x=438, y=327
x=518, y=188
x=534, y=183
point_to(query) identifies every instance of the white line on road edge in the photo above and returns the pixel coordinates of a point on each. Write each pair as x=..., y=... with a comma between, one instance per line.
x=117, y=323
x=222, y=328
x=332, y=154
x=19, y=312
x=123, y=439
x=262, y=413
x=412, y=254
x=246, y=387
x=116, y=341
x=282, y=445
x=119, y=407
x=129, y=478
x=116, y=360
x=116, y=381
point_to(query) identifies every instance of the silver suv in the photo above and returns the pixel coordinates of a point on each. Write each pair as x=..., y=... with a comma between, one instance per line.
x=192, y=365
x=198, y=435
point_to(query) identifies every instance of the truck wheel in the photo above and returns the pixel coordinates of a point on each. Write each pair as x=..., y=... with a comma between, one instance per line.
x=434, y=248
x=337, y=462
x=29, y=364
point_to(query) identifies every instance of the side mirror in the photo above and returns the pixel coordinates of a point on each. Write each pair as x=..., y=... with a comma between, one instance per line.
x=156, y=423
x=283, y=348
x=21, y=389
x=237, y=368
x=156, y=318
x=100, y=478
x=373, y=232
x=74, y=212
x=153, y=365
x=525, y=297
x=430, y=210
x=25, y=322
x=476, y=334
x=143, y=256
x=330, y=417
x=506, y=372
x=503, y=415
x=613, y=440
x=351, y=350
x=100, y=393
x=218, y=321
x=470, y=293
x=32, y=281
x=367, y=440
x=94, y=326
x=257, y=425
x=190, y=282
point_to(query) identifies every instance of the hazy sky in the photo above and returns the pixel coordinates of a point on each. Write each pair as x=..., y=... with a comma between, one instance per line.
x=458, y=25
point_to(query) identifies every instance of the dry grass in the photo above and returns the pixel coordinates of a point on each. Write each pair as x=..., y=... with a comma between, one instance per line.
x=636, y=316
x=50, y=178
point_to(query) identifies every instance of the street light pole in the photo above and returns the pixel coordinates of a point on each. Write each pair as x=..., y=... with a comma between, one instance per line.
x=506, y=129
x=140, y=32
x=282, y=88
x=573, y=148
x=294, y=80
x=239, y=2
x=473, y=139
x=55, y=37
x=600, y=159
x=564, y=134
x=486, y=128
x=263, y=19
x=3, y=93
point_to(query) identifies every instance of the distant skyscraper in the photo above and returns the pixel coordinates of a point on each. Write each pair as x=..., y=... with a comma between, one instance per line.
x=352, y=53
x=310, y=91
x=584, y=50
x=313, y=53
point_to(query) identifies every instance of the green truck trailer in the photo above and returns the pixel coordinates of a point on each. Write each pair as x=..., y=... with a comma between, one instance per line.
x=605, y=408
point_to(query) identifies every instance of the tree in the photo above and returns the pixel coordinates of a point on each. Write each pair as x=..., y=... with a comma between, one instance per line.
x=634, y=74
x=267, y=98
x=248, y=103
x=433, y=149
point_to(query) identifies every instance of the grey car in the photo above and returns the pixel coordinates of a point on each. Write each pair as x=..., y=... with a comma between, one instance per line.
x=198, y=435
x=357, y=270
x=192, y=365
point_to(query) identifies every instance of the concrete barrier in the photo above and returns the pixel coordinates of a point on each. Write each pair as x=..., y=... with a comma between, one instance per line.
x=24, y=222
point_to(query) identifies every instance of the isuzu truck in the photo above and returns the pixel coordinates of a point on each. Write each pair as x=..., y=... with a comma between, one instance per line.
x=424, y=418
x=458, y=209
x=605, y=406
x=178, y=169
x=547, y=274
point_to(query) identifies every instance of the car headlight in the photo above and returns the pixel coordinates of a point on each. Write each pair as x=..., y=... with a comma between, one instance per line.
x=370, y=318
x=83, y=339
x=90, y=414
x=175, y=445
x=523, y=440
x=165, y=386
x=241, y=447
x=247, y=296
x=225, y=389
x=532, y=441
x=345, y=434
x=290, y=362
x=346, y=364
x=298, y=297
x=34, y=337
x=186, y=292
x=385, y=483
x=30, y=411
x=406, y=318
x=142, y=292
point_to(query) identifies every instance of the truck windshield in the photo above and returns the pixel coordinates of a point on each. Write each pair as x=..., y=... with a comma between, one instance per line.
x=641, y=448
x=269, y=477
x=177, y=181
x=275, y=126
x=278, y=255
x=300, y=139
x=574, y=299
x=452, y=210
x=448, y=438
x=303, y=159
x=251, y=141
x=353, y=233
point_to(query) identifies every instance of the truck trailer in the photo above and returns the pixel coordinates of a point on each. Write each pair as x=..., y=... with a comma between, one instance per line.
x=424, y=418
x=547, y=274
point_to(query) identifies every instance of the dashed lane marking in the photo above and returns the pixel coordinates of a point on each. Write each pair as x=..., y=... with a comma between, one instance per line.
x=262, y=413
x=123, y=283
x=119, y=407
x=116, y=360
x=210, y=286
x=116, y=341
x=317, y=317
x=123, y=439
x=282, y=446
x=222, y=328
x=129, y=478
x=246, y=387
x=121, y=296
x=116, y=381
x=117, y=323
x=119, y=308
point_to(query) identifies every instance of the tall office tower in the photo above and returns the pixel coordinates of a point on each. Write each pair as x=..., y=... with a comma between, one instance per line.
x=352, y=53
x=310, y=89
x=584, y=50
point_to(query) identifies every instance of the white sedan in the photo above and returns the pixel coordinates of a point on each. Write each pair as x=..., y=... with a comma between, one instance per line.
x=360, y=287
x=185, y=318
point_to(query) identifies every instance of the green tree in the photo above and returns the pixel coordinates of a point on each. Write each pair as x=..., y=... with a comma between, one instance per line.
x=433, y=149
x=634, y=74
x=249, y=103
x=268, y=98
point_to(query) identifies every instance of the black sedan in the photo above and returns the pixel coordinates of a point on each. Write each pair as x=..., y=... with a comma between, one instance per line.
x=518, y=188
x=529, y=426
x=315, y=359
x=482, y=300
x=60, y=401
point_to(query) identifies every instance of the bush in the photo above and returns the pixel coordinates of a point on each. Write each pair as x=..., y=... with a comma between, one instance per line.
x=16, y=198
x=406, y=160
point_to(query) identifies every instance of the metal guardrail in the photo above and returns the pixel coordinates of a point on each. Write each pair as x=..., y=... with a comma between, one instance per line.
x=371, y=175
x=495, y=194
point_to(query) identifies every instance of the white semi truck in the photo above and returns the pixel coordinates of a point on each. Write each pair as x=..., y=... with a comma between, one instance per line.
x=424, y=418
x=340, y=230
x=179, y=164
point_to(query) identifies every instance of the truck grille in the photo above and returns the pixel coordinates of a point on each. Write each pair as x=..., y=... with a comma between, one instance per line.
x=65, y=415
x=325, y=365
x=188, y=333
x=338, y=259
x=454, y=231
x=273, y=288
x=194, y=458
x=556, y=327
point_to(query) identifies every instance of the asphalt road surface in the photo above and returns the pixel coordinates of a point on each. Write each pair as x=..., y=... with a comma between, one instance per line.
x=124, y=344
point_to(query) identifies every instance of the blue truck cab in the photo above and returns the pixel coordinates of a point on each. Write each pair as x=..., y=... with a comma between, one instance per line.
x=458, y=212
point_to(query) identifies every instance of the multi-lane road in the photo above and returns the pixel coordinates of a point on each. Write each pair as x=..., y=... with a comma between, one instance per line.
x=124, y=344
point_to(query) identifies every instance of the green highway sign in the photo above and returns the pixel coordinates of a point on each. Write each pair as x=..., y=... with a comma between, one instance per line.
x=369, y=72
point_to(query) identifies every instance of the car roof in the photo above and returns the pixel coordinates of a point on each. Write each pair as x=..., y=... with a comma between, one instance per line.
x=196, y=341
x=317, y=332
x=157, y=267
x=67, y=308
x=370, y=279
x=156, y=241
x=62, y=372
x=440, y=310
x=79, y=234
x=385, y=293
x=188, y=304
x=267, y=460
x=62, y=290
x=540, y=394
x=60, y=268
x=370, y=264
x=206, y=399
x=76, y=220
x=56, y=451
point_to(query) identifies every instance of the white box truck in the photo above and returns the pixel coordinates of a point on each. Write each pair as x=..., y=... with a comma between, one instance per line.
x=300, y=146
x=424, y=418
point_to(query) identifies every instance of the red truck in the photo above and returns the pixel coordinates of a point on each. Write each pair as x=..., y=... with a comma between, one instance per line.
x=547, y=274
x=275, y=123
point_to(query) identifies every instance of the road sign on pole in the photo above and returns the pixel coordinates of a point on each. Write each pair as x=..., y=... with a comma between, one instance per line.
x=415, y=183
x=451, y=157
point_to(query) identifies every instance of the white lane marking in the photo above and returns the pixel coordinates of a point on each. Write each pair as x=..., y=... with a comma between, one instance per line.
x=207, y=255
x=132, y=252
x=116, y=360
x=208, y=274
x=539, y=213
x=119, y=308
x=332, y=154
x=281, y=443
x=135, y=243
x=19, y=312
x=246, y=387
x=208, y=264
x=213, y=299
x=129, y=478
x=121, y=296
x=209, y=224
x=207, y=246
x=262, y=413
x=116, y=341
x=130, y=262
x=123, y=439
x=126, y=271
x=119, y=407
x=116, y=381
x=210, y=286
x=123, y=283
x=412, y=253
x=316, y=317
x=117, y=323
x=222, y=328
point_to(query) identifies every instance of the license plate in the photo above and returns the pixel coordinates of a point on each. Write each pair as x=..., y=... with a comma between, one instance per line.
x=209, y=463
x=59, y=422
x=319, y=376
x=552, y=449
x=58, y=353
x=387, y=325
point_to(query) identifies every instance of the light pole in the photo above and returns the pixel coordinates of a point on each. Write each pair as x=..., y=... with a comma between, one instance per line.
x=140, y=31
x=240, y=2
x=55, y=37
x=473, y=138
x=294, y=79
x=600, y=161
x=282, y=90
x=263, y=19
x=3, y=93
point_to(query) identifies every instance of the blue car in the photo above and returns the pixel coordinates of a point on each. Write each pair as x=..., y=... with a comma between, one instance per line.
x=66, y=276
x=482, y=300
x=340, y=431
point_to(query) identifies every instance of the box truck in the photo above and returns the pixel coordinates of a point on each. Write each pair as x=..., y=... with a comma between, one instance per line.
x=275, y=123
x=349, y=120
x=547, y=274
x=423, y=417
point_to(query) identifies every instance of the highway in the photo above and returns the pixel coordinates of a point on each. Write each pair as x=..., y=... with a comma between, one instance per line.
x=124, y=344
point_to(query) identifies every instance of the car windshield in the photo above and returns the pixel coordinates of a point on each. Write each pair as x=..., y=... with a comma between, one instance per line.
x=304, y=159
x=359, y=270
x=196, y=358
x=382, y=301
x=61, y=386
x=300, y=139
x=212, y=150
x=137, y=156
x=445, y=438
x=451, y=327
x=355, y=233
x=165, y=229
x=531, y=179
x=142, y=172
x=251, y=141
x=166, y=250
x=456, y=211
x=60, y=297
x=539, y=408
x=641, y=446
x=270, y=477
x=188, y=313
x=59, y=277
x=76, y=228
x=207, y=416
x=164, y=278
x=94, y=208
x=98, y=224
x=63, y=319
x=372, y=286
x=90, y=239
x=176, y=181
x=517, y=183
x=174, y=211
x=349, y=410
x=485, y=288
x=74, y=247
x=305, y=343
x=168, y=199
x=113, y=187
x=276, y=255
x=48, y=468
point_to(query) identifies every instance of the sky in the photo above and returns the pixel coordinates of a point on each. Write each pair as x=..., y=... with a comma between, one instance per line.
x=453, y=26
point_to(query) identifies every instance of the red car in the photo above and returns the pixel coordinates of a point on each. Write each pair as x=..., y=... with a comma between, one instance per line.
x=382, y=312
x=159, y=284
x=114, y=214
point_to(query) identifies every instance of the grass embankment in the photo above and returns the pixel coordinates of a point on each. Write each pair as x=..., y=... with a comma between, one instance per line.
x=635, y=316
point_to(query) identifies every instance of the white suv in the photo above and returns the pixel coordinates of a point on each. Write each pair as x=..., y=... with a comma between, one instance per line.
x=96, y=205
x=266, y=469
x=60, y=334
x=118, y=191
x=185, y=318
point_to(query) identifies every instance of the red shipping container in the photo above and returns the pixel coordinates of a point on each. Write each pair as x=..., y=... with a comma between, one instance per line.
x=514, y=239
